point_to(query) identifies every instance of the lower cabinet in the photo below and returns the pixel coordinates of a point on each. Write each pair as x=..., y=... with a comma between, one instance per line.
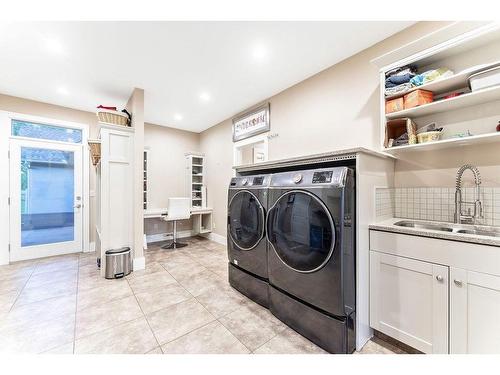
x=474, y=312
x=409, y=301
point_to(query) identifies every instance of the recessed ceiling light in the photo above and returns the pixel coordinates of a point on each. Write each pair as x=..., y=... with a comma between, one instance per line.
x=178, y=117
x=260, y=52
x=62, y=90
x=205, y=96
x=54, y=46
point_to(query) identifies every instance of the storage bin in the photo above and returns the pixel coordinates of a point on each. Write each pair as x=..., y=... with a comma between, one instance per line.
x=418, y=97
x=95, y=150
x=396, y=128
x=394, y=105
x=485, y=79
x=112, y=117
x=428, y=137
x=118, y=263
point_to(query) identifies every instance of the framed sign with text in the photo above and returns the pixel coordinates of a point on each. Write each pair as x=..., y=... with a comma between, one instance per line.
x=251, y=123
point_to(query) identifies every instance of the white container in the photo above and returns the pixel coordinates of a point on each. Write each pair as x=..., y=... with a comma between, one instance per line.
x=485, y=79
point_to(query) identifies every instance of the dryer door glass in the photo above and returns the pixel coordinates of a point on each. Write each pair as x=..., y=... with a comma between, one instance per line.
x=301, y=230
x=246, y=220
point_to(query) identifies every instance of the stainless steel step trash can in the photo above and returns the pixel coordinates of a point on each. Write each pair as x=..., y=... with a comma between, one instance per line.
x=118, y=263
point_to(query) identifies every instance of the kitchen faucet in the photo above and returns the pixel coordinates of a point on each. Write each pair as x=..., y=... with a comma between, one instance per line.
x=467, y=217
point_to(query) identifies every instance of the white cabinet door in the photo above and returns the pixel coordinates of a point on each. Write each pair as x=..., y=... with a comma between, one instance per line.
x=409, y=301
x=474, y=312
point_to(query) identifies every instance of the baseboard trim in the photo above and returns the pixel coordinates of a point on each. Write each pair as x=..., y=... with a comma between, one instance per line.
x=167, y=236
x=216, y=238
x=91, y=248
x=139, y=263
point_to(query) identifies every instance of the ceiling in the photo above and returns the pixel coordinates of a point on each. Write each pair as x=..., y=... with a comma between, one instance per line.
x=195, y=74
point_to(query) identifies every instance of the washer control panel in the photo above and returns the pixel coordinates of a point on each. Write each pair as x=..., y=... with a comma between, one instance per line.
x=258, y=181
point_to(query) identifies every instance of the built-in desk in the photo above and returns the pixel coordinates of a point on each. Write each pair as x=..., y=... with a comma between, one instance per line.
x=202, y=219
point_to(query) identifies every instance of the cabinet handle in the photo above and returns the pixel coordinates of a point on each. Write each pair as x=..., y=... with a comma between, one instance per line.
x=439, y=278
x=457, y=282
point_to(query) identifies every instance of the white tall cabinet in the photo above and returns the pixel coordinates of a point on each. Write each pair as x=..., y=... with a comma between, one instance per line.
x=114, y=190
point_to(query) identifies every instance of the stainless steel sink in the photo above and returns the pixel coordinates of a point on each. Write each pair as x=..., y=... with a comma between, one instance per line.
x=417, y=225
x=478, y=232
x=451, y=228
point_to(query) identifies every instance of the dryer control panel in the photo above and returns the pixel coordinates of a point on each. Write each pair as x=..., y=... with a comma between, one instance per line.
x=261, y=181
x=334, y=177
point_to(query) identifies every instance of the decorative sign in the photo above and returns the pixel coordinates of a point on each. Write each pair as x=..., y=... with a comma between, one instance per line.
x=251, y=123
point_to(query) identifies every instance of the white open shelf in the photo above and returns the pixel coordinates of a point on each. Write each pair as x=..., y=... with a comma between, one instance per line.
x=465, y=100
x=446, y=143
x=456, y=81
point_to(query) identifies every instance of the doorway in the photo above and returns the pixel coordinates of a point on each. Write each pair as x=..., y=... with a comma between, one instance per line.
x=46, y=190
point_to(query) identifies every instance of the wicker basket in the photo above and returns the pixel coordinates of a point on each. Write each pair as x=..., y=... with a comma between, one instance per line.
x=95, y=150
x=112, y=117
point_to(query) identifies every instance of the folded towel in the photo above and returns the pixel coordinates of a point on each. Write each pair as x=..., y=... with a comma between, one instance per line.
x=401, y=70
x=430, y=75
x=399, y=89
x=396, y=80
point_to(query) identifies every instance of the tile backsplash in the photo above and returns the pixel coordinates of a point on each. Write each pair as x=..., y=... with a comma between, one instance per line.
x=436, y=204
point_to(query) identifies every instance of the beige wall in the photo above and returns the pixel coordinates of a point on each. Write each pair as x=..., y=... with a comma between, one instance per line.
x=34, y=108
x=335, y=109
x=167, y=169
x=439, y=168
x=217, y=144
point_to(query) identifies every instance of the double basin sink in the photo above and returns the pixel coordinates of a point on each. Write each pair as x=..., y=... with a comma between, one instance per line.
x=451, y=228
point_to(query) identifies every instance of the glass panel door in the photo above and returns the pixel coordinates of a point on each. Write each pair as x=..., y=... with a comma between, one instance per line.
x=246, y=220
x=46, y=206
x=47, y=194
x=301, y=231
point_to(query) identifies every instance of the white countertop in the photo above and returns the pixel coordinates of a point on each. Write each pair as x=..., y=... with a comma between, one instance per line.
x=308, y=159
x=159, y=212
x=388, y=226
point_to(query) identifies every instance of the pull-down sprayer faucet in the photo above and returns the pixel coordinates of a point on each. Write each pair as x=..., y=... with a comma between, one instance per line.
x=468, y=217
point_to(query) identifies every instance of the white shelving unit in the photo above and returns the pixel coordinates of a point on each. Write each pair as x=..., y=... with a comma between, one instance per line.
x=475, y=111
x=195, y=177
x=146, y=177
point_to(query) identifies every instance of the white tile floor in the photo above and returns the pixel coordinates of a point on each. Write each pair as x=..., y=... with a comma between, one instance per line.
x=181, y=303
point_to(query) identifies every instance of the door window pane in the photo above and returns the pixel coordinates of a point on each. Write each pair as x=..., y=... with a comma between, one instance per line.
x=246, y=225
x=47, y=196
x=43, y=131
x=300, y=231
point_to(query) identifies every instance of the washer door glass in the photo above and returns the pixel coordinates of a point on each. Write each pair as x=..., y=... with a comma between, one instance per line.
x=301, y=230
x=246, y=220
